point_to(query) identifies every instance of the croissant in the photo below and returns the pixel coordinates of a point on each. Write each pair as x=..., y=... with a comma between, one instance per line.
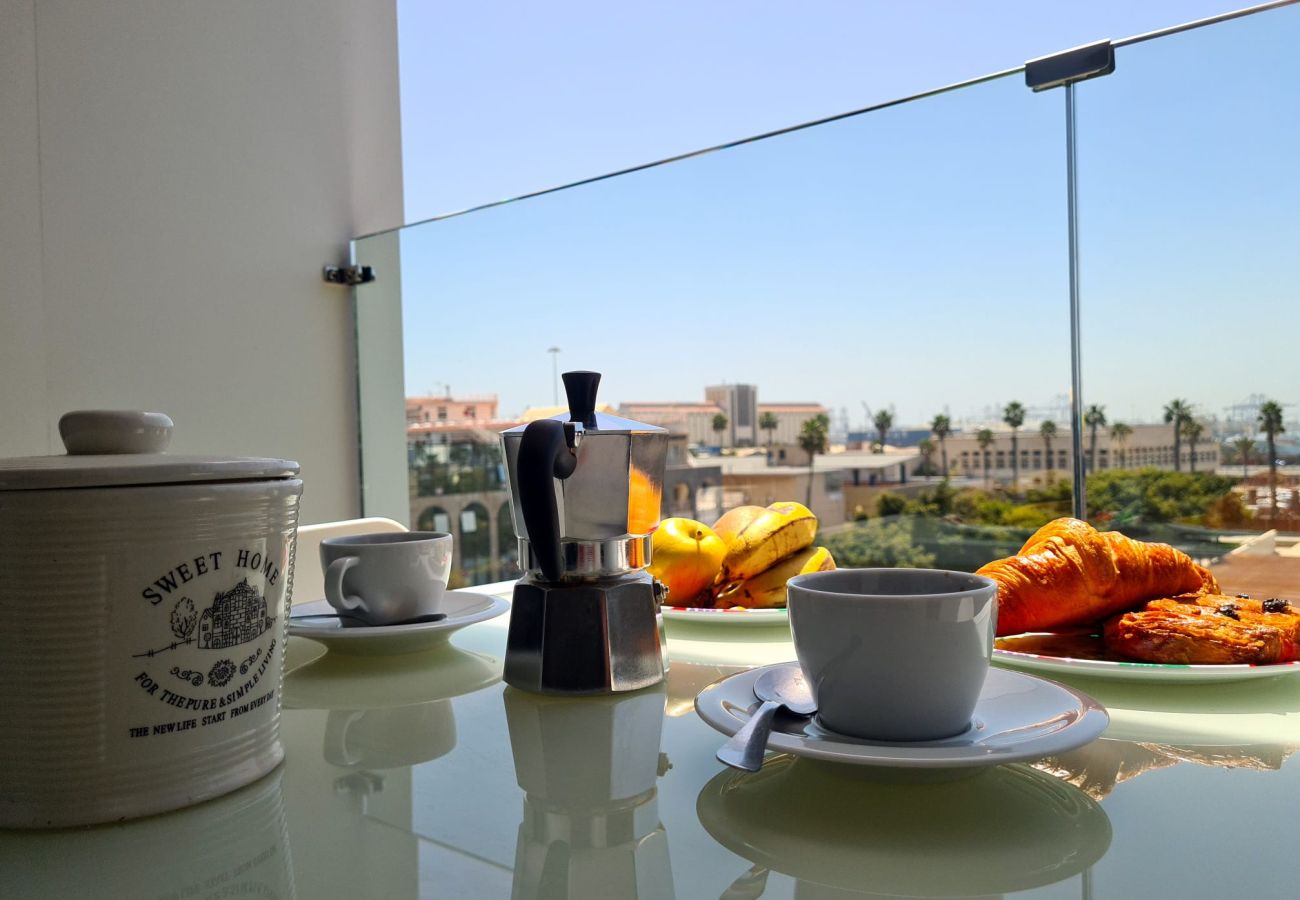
x=1068, y=573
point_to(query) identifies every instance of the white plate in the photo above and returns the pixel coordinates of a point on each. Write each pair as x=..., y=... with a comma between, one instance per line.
x=1140, y=671
x=317, y=620
x=1018, y=717
x=728, y=617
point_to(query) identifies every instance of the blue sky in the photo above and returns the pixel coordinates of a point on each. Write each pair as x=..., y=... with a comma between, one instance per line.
x=911, y=257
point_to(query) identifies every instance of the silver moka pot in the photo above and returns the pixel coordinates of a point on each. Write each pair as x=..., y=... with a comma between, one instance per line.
x=585, y=493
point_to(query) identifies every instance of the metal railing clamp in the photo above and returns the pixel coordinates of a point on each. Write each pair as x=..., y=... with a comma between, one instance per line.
x=1069, y=66
x=349, y=275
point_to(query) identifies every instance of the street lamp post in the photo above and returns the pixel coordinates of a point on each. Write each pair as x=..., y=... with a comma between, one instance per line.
x=555, y=373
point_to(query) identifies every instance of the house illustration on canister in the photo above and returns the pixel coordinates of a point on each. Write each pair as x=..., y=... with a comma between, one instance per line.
x=235, y=617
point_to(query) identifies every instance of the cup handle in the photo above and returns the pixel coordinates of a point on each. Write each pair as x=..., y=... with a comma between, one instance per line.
x=334, y=585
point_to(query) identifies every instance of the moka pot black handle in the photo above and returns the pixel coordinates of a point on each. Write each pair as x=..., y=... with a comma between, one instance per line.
x=546, y=453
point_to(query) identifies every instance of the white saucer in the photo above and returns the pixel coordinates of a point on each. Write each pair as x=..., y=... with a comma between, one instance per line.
x=1018, y=717
x=320, y=622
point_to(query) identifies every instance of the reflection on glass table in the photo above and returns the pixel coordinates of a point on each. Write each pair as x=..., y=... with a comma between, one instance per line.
x=233, y=846
x=1101, y=766
x=589, y=769
x=387, y=713
x=1007, y=829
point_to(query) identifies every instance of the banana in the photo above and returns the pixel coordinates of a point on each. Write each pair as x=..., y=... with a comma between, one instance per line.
x=763, y=538
x=767, y=589
x=734, y=521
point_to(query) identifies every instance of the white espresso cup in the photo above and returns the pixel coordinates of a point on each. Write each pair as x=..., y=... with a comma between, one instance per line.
x=387, y=577
x=894, y=654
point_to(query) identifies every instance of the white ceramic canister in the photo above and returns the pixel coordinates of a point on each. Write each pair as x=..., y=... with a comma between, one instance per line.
x=144, y=603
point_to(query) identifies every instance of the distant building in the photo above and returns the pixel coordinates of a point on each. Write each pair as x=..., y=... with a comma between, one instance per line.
x=842, y=483
x=1148, y=446
x=427, y=410
x=789, y=421
x=738, y=403
x=894, y=437
x=458, y=486
x=694, y=420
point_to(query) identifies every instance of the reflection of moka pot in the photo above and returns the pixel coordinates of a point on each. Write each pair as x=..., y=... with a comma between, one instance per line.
x=585, y=490
x=589, y=770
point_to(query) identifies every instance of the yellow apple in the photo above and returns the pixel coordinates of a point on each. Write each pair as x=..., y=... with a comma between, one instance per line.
x=686, y=556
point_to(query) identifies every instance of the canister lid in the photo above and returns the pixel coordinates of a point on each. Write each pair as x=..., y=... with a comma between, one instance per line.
x=117, y=448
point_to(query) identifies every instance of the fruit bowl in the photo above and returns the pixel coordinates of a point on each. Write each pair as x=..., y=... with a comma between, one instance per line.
x=737, y=616
x=737, y=569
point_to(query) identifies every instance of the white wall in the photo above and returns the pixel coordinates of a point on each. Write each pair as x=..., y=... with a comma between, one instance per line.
x=173, y=176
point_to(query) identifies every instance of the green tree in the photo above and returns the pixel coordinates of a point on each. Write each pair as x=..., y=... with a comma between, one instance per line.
x=1176, y=413
x=926, y=448
x=1154, y=495
x=1270, y=422
x=1119, y=435
x=942, y=427
x=719, y=426
x=1094, y=418
x=984, y=437
x=767, y=422
x=1014, y=415
x=813, y=439
x=883, y=420
x=1192, y=431
x=1245, y=446
x=1047, y=431
x=890, y=505
x=878, y=543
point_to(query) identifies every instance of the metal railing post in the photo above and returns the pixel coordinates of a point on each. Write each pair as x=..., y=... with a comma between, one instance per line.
x=1079, y=469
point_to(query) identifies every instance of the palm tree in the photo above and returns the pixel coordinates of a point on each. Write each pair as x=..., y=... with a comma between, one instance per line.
x=1270, y=422
x=926, y=446
x=768, y=422
x=1119, y=434
x=1047, y=431
x=1245, y=446
x=984, y=438
x=813, y=440
x=1014, y=415
x=1176, y=413
x=719, y=425
x=1094, y=418
x=884, y=420
x=942, y=427
x=1192, y=431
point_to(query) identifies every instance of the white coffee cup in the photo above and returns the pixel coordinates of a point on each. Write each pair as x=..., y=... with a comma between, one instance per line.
x=387, y=577
x=894, y=654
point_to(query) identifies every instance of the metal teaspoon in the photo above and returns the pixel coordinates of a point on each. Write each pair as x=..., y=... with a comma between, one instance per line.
x=779, y=687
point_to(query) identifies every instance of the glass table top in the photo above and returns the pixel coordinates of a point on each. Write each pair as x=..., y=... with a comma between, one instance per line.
x=423, y=775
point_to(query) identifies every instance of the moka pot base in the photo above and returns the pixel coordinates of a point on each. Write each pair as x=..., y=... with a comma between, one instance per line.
x=595, y=637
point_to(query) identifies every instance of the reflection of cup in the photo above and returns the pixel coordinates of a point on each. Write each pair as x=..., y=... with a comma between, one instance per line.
x=387, y=577
x=1006, y=829
x=894, y=654
x=389, y=738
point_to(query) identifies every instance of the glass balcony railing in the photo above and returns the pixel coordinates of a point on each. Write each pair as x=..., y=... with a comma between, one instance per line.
x=902, y=276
